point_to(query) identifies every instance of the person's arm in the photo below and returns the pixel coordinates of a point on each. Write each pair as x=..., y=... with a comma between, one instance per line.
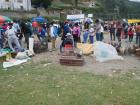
x=51, y=32
x=79, y=31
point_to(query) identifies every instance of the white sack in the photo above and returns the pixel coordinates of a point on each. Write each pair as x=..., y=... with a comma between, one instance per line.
x=105, y=52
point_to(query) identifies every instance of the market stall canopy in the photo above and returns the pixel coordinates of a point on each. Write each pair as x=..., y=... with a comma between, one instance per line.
x=76, y=16
x=39, y=19
x=4, y=19
x=133, y=21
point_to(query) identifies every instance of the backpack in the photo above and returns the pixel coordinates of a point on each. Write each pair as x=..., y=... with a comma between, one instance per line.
x=42, y=32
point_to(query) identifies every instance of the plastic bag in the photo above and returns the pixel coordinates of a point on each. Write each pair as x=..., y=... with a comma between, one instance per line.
x=105, y=52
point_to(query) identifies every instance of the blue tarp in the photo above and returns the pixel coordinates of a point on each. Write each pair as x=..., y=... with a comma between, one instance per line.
x=39, y=19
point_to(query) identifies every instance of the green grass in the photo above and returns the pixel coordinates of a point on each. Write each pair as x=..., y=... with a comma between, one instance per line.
x=36, y=84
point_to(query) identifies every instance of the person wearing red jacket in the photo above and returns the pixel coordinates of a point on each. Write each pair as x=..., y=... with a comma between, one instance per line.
x=131, y=32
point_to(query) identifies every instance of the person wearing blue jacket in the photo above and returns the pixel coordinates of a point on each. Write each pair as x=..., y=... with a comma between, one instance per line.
x=53, y=34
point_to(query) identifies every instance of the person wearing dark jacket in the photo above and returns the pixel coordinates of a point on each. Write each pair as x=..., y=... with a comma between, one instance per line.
x=67, y=41
x=26, y=29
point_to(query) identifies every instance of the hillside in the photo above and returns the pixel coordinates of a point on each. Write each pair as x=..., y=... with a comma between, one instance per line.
x=121, y=7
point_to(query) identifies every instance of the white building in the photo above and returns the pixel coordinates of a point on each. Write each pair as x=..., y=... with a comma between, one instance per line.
x=16, y=4
x=92, y=5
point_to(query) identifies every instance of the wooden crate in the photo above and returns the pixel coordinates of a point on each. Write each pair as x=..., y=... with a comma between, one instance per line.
x=71, y=61
x=138, y=52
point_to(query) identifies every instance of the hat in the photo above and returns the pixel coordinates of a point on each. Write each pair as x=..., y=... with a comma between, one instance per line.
x=68, y=34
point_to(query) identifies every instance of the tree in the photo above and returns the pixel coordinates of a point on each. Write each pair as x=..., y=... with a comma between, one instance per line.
x=76, y=3
x=42, y=3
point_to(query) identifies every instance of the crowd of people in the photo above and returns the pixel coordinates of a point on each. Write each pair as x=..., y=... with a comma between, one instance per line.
x=12, y=34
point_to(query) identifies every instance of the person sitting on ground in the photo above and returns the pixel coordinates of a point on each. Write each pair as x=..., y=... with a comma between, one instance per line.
x=67, y=41
x=12, y=38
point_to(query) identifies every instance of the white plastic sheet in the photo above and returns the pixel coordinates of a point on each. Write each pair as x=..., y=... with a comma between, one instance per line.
x=105, y=52
x=13, y=62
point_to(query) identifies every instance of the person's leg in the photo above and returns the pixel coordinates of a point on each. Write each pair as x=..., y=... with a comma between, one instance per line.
x=119, y=38
x=137, y=38
x=10, y=41
x=75, y=41
x=46, y=40
x=16, y=42
x=114, y=36
x=126, y=34
x=97, y=37
x=53, y=43
x=85, y=38
x=129, y=38
x=1, y=43
x=27, y=39
x=61, y=46
x=132, y=39
x=111, y=36
x=101, y=36
x=79, y=39
x=91, y=39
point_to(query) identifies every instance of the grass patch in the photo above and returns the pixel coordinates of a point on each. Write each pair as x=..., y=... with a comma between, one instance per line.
x=35, y=84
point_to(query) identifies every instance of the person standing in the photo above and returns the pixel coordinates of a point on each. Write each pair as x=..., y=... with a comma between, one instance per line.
x=138, y=34
x=112, y=32
x=131, y=32
x=53, y=34
x=85, y=36
x=98, y=30
x=26, y=29
x=125, y=29
x=43, y=36
x=76, y=34
x=91, y=35
x=66, y=29
x=119, y=31
x=102, y=33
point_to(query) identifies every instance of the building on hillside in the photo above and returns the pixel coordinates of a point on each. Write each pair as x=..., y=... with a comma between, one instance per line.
x=92, y=5
x=15, y=4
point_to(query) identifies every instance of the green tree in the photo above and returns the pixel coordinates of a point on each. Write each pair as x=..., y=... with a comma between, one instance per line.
x=42, y=3
x=76, y=3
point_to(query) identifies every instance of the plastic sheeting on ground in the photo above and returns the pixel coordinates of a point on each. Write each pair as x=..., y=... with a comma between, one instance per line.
x=105, y=52
x=13, y=62
x=86, y=48
x=19, y=59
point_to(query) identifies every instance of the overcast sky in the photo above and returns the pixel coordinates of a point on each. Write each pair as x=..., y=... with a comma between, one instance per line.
x=135, y=0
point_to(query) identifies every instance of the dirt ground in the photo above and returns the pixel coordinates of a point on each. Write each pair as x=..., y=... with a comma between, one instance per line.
x=130, y=62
